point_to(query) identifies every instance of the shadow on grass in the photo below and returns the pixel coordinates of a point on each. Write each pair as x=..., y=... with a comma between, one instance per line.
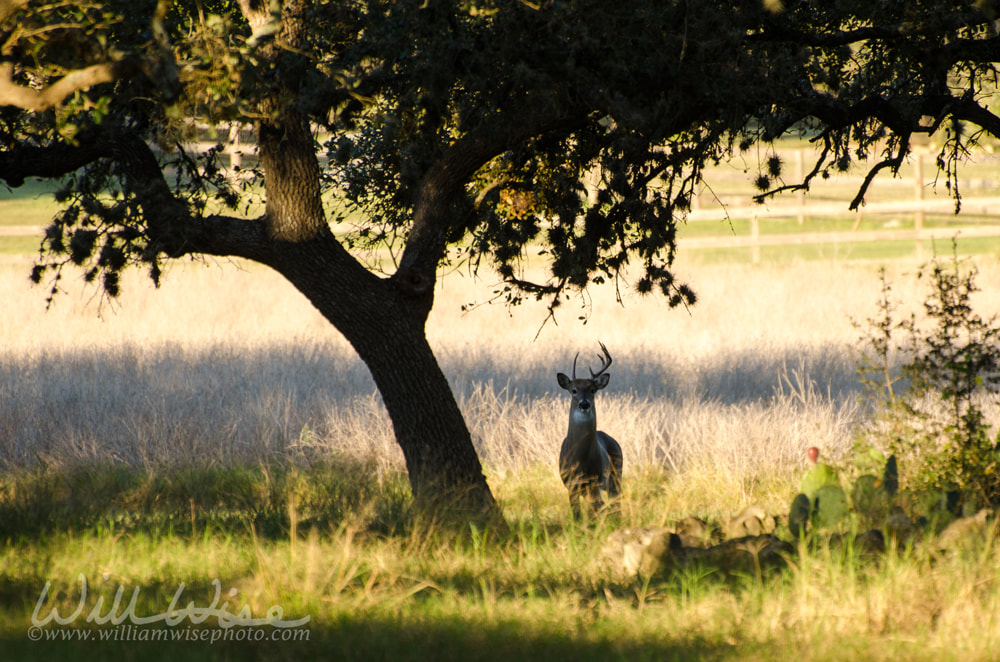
x=372, y=639
x=262, y=501
x=171, y=404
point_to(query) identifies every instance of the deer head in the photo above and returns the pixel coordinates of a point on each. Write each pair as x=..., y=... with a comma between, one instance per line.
x=581, y=389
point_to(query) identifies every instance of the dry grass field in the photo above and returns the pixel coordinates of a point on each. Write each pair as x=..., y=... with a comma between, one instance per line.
x=227, y=363
x=227, y=366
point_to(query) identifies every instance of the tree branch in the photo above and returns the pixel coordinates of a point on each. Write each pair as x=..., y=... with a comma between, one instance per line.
x=447, y=178
x=171, y=225
x=160, y=67
x=173, y=229
x=12, y=94
x=970, y=111
x=893, y=162
x=778, y=31
x=53, y=161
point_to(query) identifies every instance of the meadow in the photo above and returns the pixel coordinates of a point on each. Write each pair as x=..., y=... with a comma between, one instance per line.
x=219, y=429
x=215, y=445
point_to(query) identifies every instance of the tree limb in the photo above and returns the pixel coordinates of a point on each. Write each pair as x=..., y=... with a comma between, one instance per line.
x=969, y=110
x=12, y=94
x=779, y=31
x=160, y=67
x=173, y=229
x=892, y=162
x=52, y=161
x=447, y=178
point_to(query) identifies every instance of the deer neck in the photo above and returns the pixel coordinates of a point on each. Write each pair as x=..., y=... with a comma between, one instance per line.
x=582, y=433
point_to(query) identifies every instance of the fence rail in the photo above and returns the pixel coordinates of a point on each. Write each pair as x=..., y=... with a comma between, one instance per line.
x=801, y=207
x=238, y=143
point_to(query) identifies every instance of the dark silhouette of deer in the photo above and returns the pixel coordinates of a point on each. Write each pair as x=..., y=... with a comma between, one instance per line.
x=590, y=460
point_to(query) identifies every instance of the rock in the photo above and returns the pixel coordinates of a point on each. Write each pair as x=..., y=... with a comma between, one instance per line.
x=647, y=552
x=642, y=551
x=695, y=532
x=752, y=521
x=746, y=555
x=966, y=532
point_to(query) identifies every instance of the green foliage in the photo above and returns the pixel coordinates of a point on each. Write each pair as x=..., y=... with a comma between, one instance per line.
x=927, y=382
x=637, y=99
x=870, y=498
x=798, y=515
x=827, y=507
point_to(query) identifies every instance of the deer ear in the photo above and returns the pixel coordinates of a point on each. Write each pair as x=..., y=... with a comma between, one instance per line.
x=602, y=381
x=563, y=380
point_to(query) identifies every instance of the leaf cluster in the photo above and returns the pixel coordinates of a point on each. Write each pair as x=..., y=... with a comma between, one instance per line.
x=575, y=133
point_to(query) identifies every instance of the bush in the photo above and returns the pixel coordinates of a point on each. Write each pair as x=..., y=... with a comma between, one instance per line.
x=928, y=378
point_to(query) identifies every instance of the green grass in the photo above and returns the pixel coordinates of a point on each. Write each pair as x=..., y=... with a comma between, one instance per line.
x=414, y=592
x=29, y=204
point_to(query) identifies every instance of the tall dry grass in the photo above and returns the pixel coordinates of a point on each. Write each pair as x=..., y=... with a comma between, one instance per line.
x=227, y=363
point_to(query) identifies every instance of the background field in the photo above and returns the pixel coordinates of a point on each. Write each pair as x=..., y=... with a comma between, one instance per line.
x=227, y=363
x=220, y=428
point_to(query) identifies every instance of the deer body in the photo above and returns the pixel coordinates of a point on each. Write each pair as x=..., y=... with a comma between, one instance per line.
x=590, y=460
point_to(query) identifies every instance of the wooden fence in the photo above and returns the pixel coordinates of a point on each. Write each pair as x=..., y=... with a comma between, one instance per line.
x=709, y=207
x=917, y=205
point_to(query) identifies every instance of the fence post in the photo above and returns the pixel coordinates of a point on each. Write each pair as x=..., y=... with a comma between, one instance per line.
x=800, y=195
x=235, y=153
x=918, y=216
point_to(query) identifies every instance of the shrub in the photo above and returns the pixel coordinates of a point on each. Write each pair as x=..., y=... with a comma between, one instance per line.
x=927, y=379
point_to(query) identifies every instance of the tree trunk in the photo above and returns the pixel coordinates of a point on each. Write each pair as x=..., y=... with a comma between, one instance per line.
x=383, y=319
x=386, y=327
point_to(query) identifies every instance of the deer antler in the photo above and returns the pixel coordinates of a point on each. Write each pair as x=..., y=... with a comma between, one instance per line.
x=574, y=365
x=604, y=366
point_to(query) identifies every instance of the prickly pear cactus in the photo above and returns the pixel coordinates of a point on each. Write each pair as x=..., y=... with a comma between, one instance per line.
x=869, y=498
x=823, y=503
x=820, y=475
x=798, y=515
x=890, y=479
x=829, y=506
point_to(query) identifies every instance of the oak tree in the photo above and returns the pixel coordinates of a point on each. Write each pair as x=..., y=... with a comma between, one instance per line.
x=456, y=131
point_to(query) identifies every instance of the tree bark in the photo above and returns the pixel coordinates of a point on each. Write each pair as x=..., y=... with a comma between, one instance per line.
x=387, y=331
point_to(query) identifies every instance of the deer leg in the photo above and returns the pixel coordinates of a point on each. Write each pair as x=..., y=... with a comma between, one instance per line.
x=614, y=482
x=594, y=496
x=574, y=502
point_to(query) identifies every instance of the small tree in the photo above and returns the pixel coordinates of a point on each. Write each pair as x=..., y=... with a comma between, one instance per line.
x=427, y=118
x=929, y=405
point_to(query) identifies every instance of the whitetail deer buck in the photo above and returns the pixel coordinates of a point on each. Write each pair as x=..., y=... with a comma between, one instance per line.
x=590, y=460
